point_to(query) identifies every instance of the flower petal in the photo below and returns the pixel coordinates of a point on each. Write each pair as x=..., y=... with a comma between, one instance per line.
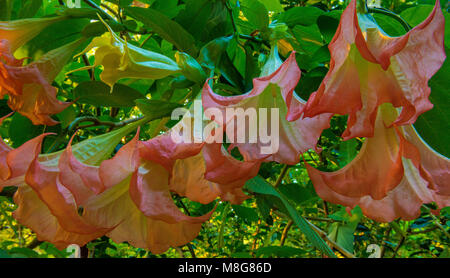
x=275, y=94
x=44, y=181
x=33, y=213
x=394, y=70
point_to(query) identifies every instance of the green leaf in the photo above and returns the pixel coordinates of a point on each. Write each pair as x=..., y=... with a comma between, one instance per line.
x=230, y=73
x=272, y=5
x=54, y=36
x=328, y=24
x=155, y=109
x=22, y=252
x=343, y=232
x=391, y=27
x=21, y=123
x=168, y=29
x=256, y=13
x=67, y=116
x=169, y=8
x=5, y=9
x=417, y=14
x=211, y=53
x=347, y=151
x=98, y=93
x=300, y=16
x=434, y=124
x=279, y=252
x=297, y=193
x=4, y=254
x=249, y=215
x=309, y=38
x=205, y=19
x=260, y=185
x=30, y=8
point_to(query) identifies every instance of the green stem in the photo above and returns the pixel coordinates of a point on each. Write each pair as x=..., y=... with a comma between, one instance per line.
x=281, y=176
x=102, y=12
x=393, y=15
x=97, y=122
x=224, y=218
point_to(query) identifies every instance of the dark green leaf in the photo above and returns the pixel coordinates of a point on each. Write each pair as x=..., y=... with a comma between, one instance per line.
x=67, y=116
x=300, y=16
x=155, y=109
x=434, y=124
x=165, y=27
x=249, y=215
x=211, y=53
x=328, y=24
x=279, y=252
x=98, y=93
x=260, y=185
x=272, y=5
x=256, y=13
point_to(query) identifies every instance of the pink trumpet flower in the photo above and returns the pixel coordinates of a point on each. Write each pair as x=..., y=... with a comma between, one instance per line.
x=369, y=68
x=272, y=97
x=394, y=173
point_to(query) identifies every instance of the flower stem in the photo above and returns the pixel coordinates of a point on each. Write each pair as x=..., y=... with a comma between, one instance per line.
x=393, y=15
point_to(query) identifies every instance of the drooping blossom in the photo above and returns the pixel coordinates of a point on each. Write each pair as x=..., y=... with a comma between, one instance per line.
x=74, y=196
x=29, y=87
x=46, y=206
x=127, y=196
x=368, y=68
x=199, y=170
x=394, y=173
x=123, y=60
x=276, y=109
x=19, y=32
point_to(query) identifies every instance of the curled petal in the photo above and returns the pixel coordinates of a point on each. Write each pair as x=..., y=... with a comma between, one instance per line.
x=29, y=87
x=270, y=106
x=115, y=207
x=394, y=70
x=376, y=169
x=435, y=164
x=34, y=213
x=149, y=189
x=122, y=165
x=81, y=179
x=394, y=173
x=15, y=162
x=44, y=181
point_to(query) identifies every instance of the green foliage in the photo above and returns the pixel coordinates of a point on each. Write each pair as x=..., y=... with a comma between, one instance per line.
x=229, y=40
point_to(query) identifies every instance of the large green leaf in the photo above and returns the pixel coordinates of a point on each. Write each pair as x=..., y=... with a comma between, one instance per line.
x=155, y=109
x=433, y=125
x=256, y=13
x=98, y=93
x=272, y=5
x=249, y=215
x=328, y=24
x=165, y=27
x=309, y=38
x=211, y=53
x=261, y=186
x=205, y=19
x=300, y=16
x=21, y=129
x=343, y=232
